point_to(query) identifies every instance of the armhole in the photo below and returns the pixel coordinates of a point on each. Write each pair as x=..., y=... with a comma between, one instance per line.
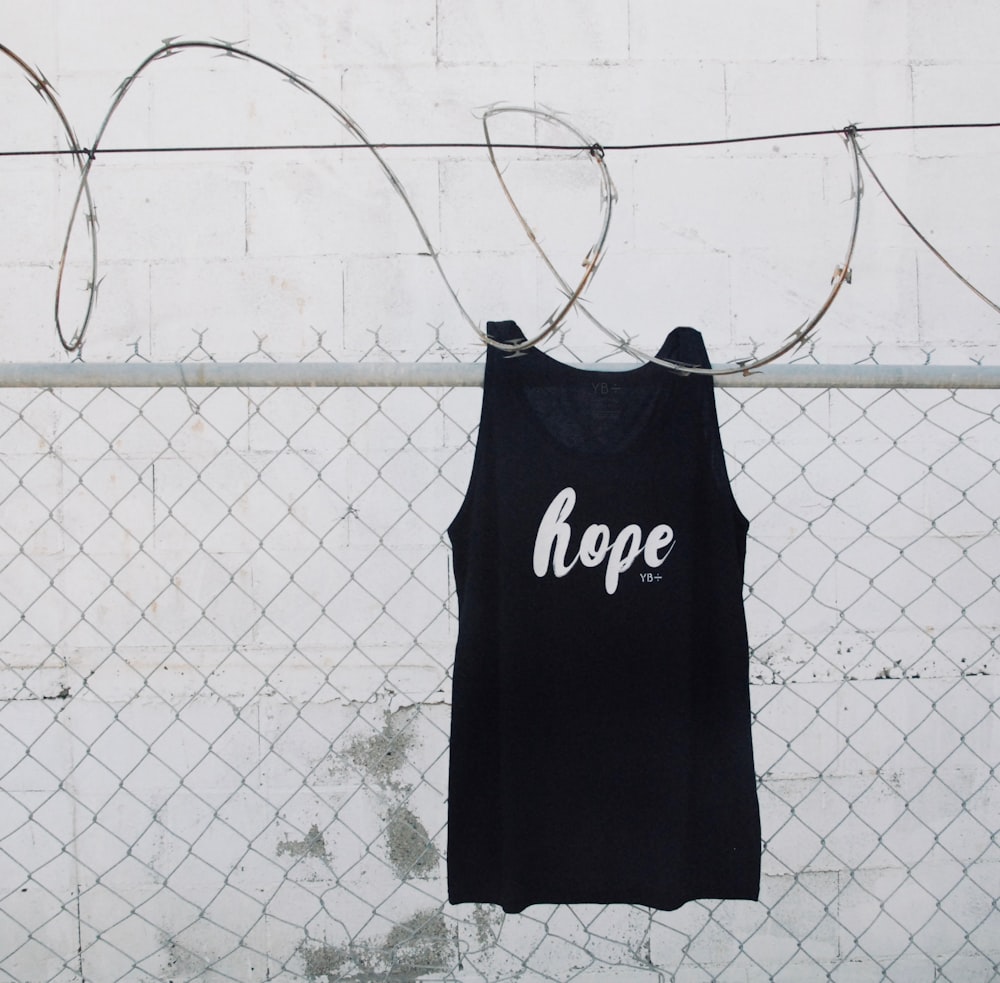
x=717, y=454
x=501, y=330
x=465, y=507
x=694, y=348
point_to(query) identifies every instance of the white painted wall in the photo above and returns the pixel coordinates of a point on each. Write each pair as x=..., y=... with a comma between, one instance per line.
x=291, y=254
x=738, y=240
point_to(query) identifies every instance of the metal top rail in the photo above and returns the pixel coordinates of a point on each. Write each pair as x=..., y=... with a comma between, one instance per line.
x=44, y=375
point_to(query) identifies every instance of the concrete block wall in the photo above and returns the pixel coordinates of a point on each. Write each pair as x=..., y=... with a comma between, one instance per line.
x=738, y=239
x=292, y=254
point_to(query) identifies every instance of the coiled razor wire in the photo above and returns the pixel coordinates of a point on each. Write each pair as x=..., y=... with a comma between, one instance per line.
x=594, y=255
x=795, y=340
x=84, y=158
x=909, y=222
x=170, y=47
x=841, y=275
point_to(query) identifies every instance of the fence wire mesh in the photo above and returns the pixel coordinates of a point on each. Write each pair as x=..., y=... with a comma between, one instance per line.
x=226, y=630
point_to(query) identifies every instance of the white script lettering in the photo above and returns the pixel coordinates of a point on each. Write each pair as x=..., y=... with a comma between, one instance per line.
x=552, y=543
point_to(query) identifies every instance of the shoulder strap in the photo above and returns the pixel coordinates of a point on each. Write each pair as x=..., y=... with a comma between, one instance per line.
x=686, y=346
x=506, y=331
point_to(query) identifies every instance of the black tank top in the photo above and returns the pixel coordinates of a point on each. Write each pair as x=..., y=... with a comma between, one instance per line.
x=600, y=742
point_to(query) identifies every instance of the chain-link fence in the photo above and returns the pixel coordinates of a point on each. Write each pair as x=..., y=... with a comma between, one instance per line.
x=226, y=631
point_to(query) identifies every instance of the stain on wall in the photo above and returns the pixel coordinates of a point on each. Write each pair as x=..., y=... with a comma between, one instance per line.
x=382, y=757
x=487, y=922
x=311, y=845
x=383, y=754
x=411, y=851
x=416, y=947
x=181, y=964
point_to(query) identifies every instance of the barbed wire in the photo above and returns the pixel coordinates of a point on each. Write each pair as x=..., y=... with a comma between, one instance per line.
x=85, y=157
x=169, y=48
x=909, y=222
x=798, y=337
x=594, y=255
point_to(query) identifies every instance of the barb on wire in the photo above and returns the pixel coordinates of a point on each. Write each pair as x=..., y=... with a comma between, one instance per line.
x=899, y=211
x=83, y=159
x=171, y=47
x=592, y=259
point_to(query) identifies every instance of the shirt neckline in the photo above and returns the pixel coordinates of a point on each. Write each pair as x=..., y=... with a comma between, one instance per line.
x=556, y=370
